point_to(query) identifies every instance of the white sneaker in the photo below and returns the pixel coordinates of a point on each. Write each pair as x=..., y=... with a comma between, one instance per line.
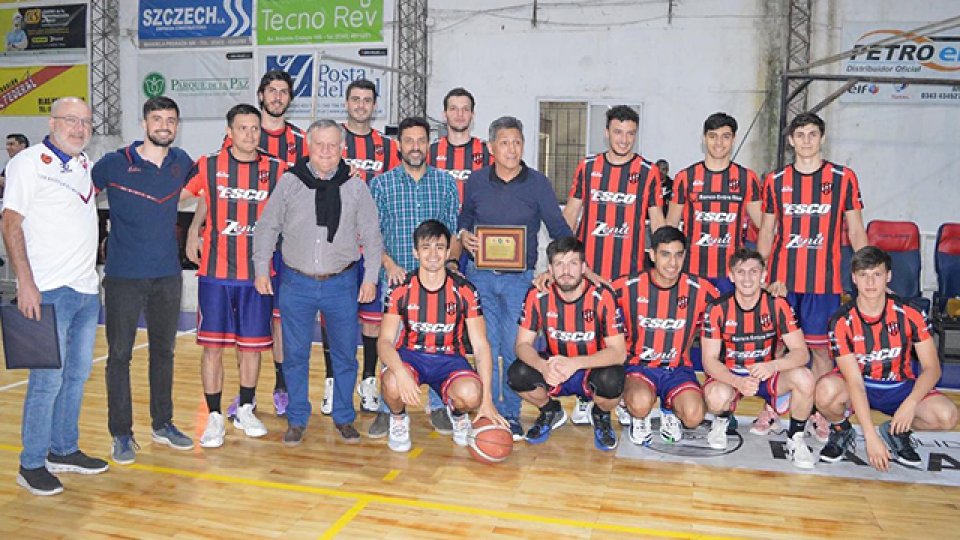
x=671, y=430
x=581, y=412
x=623, y=415
x=717, y=438
x=248, y=422
x=799, y=453
x=326, y=406
x=461, y=427
x=641, y=430
x=213, y=434
x=369, y=396
x=399, y=438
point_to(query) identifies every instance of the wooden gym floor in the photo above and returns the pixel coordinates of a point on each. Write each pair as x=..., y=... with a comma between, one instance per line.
x=256, y=488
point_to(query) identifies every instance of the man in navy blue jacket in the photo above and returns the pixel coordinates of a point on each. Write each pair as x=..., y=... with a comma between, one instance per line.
x=143, y=183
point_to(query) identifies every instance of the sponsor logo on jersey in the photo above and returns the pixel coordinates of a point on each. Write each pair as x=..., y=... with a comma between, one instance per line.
x=459, y=174
x=231, y=193
x=716, y=217
x=616, y=197
x=744, y=355
x=643, y=300
x=561, y=335
x=603, y=230
x=660, y=324
x=708, y=240
x=234, y=228
x=431, y=328
x=552, y=315
x=223, y=174
x=650, y=354
x=800, y=209
x=881, y=355
x=365, y=164
x=731, y=324
x=798, y=241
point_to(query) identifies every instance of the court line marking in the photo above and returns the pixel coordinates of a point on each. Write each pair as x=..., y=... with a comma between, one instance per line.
x=415, y=453
x=390, y=476
x=345, y=519
x=101, y=358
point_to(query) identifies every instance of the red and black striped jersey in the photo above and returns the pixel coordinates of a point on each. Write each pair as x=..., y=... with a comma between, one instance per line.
x=809, y=210
x=714, y=208
x=882, y=345
x=660, y=323
x=575, y=328
x=459, y=160
x=749, y=336
x=235, y=193
x=434, y=321
x=616, y=199
x=288, y=144
x=372, y=154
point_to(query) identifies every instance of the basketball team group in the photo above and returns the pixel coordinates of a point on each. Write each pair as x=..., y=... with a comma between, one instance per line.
x=422, y=252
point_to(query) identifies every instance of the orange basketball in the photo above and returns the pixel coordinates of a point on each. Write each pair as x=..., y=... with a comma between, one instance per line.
x=488, y=442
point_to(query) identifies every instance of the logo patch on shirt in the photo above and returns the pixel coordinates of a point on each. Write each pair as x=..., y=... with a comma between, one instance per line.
x=46, y=159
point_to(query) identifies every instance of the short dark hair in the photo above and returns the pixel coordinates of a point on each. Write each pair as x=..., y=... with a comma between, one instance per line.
x=666, y=235
x=275, y=75
x=623, y=113
x=718, y=120
x=869, y=257
x=241, y=108
x=459, y=92
x=160, y=103
x=806, y=119
x=502, y=123
x=566, y=244
x=413, y=121
x=362, y=84
x=430, y=228
x=745, y=254
x=21, y=139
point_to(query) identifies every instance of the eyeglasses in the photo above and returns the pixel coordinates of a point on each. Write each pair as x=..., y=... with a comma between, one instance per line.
x=74, y=121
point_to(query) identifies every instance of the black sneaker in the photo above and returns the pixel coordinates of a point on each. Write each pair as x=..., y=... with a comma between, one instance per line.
x=39, y=482
x=732, y=425
x=77, y=462
x=348, y=433
x=293, y=436
x=840, y=441
x=516, y=428
x=546, y=422
x=900, y=445
x=604, y=438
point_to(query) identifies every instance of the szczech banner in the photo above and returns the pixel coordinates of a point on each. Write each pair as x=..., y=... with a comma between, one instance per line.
x=194, y=23
x=30, y=90
x=204, y=84
x=296, y=22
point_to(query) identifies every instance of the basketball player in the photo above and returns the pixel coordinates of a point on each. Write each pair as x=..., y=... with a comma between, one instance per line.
x=430, y=313
x=612, y=197
x=662, y=309
x=585, y=347
x=739, y=341
x=874, y=338
x=805, y=204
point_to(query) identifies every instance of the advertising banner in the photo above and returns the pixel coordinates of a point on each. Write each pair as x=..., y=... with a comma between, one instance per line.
x=30, y=90
x=204, y=84
x=194, y=23
x=321, y=82
x=933, y=56
x=38, y=29
x=297, y=22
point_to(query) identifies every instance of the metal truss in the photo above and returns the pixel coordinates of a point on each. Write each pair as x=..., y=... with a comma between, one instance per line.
x=105, y=67
x=798, y=52
x=411, y=59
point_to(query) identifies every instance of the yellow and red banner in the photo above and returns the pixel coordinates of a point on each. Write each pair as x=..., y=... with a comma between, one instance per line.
x=30, y=90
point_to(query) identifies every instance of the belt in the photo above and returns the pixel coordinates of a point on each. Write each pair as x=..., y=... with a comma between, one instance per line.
x=320, y=277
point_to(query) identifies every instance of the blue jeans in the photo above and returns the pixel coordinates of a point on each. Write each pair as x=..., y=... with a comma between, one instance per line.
x=501, y=295
x=51, y=408
x=336, y=299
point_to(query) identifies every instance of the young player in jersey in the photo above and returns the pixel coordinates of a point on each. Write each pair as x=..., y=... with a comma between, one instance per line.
x=875, y=339
x=585, y=347
x=458, y=152
x=713, y=197
x=370, y=153
x=804, y=206
x=662, y=309
x=235, y=184
x=739, y=344
x=422, y=341
x=612, y=197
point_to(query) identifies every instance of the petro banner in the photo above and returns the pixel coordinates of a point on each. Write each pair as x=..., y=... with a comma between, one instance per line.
x=296, y=22
x=204, y=84
x=40, y=29
x=194, y=23
x=30, y=90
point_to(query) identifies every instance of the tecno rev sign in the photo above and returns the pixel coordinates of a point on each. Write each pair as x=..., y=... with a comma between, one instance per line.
x=194, y=23
x=293, y=22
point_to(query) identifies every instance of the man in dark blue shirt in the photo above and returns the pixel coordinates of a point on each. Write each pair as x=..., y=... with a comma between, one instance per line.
x=143, y=183
x=507, y=193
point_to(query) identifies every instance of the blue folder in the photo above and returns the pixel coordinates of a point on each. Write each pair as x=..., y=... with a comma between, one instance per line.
x=30, y=344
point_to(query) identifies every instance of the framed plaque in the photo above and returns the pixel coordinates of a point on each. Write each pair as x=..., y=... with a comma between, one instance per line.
x=502, y=248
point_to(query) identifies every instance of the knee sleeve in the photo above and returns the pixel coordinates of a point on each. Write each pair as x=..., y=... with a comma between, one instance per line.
x=523, y=378
x=607, y=382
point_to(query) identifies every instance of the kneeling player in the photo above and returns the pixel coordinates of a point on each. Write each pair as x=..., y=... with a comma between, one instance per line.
x=740, y=336
x=585, y=347
x=872, y=338
x=661, y=310
x=430, y=311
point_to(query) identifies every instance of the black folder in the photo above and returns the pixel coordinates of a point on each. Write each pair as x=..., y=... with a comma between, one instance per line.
x=27, y=343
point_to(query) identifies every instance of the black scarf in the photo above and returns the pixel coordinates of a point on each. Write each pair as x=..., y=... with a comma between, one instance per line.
x=326, y=193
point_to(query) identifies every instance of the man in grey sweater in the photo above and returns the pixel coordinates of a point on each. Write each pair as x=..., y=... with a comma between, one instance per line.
x=326, y=216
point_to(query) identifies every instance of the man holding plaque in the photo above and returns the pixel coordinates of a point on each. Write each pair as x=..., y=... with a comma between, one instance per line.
x=503, y=207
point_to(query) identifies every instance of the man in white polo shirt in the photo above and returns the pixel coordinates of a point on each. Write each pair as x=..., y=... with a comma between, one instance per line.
x=50, y=231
